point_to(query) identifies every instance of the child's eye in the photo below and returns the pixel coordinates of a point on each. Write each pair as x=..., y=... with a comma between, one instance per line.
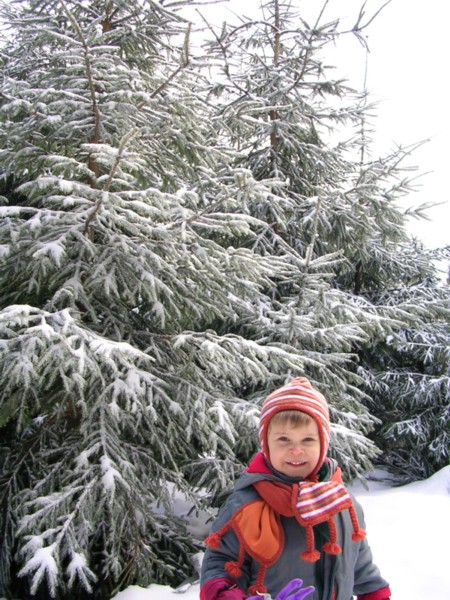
x=283, y=438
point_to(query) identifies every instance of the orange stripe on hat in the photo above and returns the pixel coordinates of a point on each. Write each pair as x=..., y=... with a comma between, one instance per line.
x=298, y=394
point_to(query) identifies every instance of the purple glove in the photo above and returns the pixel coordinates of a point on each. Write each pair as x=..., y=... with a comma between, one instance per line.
x=291, y=591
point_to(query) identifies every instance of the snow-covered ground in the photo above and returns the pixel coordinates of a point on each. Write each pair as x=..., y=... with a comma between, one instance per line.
x=409, y=533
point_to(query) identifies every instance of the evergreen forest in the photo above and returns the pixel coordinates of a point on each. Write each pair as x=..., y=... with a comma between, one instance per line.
x=190, y=216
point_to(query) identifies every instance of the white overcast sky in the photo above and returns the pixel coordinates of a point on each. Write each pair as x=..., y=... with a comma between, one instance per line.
x=409, y=77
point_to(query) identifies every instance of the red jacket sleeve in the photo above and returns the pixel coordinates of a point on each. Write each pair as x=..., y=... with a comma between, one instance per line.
x=221, y=589
x=383, y=594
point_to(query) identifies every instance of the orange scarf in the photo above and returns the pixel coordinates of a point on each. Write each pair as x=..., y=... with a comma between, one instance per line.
x=258, y=528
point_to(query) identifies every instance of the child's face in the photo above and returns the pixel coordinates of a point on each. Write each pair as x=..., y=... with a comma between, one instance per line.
x=294, y=450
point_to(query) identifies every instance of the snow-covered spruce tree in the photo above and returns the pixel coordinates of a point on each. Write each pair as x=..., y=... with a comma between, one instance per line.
x=289, y=119
x=405, y=374
x=408, y=379
x=115, y=264
x=267, y=87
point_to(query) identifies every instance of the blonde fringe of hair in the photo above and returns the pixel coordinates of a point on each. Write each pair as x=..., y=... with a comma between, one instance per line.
x=294, y=418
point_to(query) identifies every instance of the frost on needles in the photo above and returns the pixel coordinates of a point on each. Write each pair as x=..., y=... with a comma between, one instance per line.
x=179, y=234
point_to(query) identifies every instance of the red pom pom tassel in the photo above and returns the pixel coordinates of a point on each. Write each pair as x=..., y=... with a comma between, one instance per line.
x=358, y=535
x=234, y=569
x=332, y=548
x=310, y=555
x=256, y=590
x=213, y=541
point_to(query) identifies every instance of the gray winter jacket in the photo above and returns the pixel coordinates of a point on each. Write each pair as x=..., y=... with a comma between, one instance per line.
x=335, y=577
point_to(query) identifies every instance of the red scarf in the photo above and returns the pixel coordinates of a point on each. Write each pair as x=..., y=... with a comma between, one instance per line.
x=258, y=528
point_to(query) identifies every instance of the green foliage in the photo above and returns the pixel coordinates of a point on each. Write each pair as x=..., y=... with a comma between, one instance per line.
x=407, y=379
x=333, y=204
x=112, y=262
x=173, y=246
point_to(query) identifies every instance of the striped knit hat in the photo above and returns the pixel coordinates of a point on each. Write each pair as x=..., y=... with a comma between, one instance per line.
x=298, y=394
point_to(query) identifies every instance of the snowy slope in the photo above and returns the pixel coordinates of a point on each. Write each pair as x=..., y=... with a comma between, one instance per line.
x=409, y=532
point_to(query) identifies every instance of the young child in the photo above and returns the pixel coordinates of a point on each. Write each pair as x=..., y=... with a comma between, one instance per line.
x=289, y=515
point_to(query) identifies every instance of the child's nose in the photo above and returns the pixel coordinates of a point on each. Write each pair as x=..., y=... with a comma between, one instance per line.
x=297, y=448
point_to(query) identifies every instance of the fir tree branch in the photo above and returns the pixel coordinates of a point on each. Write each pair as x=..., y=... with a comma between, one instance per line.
x=123, y=143
x=310, y=249
x=308, y=50
x=185, y=61
x=92, y=163
x=273, y=114
x=224, y=53
x=358, y=27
